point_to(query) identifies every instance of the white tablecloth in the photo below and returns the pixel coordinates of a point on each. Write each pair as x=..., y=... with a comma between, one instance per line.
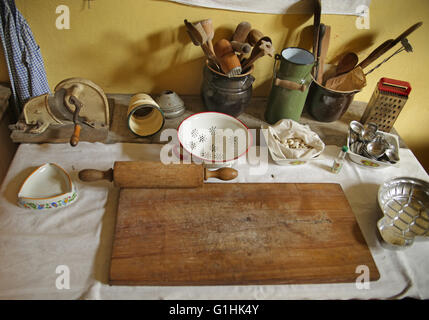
x=33, y=244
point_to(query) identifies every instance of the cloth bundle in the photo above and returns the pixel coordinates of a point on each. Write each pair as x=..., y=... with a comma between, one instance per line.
x=289, y=139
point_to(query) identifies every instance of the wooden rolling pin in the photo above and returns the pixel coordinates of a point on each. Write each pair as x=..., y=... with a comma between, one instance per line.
x=147, y=174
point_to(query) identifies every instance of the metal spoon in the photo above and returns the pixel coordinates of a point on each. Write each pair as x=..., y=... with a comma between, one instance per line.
x=391, y=154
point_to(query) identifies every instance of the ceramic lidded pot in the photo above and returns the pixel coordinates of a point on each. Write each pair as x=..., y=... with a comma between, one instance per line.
x=290, y=84
x=229, y=95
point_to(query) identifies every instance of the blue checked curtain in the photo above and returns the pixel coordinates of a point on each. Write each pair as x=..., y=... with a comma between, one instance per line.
x=23, y=58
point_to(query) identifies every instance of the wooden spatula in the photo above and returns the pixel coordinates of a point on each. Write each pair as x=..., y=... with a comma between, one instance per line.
x=148, y=174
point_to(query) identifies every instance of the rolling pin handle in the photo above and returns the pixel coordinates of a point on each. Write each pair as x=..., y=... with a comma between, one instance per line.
x=89, y=175
x=221, y=174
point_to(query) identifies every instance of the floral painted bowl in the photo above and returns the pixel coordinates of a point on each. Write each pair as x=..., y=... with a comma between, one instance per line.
x=215, y=138
x=48, y=187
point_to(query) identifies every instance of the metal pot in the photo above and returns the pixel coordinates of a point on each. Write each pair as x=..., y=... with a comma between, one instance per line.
x=327, y=105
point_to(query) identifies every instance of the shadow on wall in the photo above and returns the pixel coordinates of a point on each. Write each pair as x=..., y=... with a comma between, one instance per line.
x=148, y=63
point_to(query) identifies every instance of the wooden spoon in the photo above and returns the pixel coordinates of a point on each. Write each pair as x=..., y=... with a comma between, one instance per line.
x=346, y=63
x=376, y=53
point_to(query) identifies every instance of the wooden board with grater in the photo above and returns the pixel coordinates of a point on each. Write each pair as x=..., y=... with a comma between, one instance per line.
x=386, y=103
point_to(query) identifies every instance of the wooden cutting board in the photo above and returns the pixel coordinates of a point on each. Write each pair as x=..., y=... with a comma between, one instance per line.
x=242, y=234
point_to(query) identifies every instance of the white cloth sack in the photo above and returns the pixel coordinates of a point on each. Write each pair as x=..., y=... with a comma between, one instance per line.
x=286, y=129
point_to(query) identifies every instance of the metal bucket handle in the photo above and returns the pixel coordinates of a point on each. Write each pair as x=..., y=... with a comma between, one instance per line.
x=286, y=84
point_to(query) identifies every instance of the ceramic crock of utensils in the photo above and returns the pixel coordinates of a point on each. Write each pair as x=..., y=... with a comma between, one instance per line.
x=171, y=104
x=230, y=95
x=151, y=174
x=404, y=202
x=229, y=62
x=287, y=98
x=48, y=187
x=145, y=117
x=215, y=138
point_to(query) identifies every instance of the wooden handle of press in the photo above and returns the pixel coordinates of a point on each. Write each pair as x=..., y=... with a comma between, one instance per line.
x=289, y=85
x=74, y=140
x=90, y=175
x=221, y=174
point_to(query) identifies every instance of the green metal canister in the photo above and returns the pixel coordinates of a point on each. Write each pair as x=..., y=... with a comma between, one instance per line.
x=290, y=84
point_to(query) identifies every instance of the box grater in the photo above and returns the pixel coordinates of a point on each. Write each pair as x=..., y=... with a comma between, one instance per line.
x=386, y=103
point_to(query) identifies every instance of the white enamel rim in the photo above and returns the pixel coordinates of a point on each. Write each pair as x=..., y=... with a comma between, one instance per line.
x=298, y=56
x=222, y=114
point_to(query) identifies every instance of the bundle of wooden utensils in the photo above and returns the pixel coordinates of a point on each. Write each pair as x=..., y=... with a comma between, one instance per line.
x=230, y=57
x=349, y=74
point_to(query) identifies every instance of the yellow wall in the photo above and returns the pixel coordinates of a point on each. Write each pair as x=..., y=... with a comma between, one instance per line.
x=131, y=46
